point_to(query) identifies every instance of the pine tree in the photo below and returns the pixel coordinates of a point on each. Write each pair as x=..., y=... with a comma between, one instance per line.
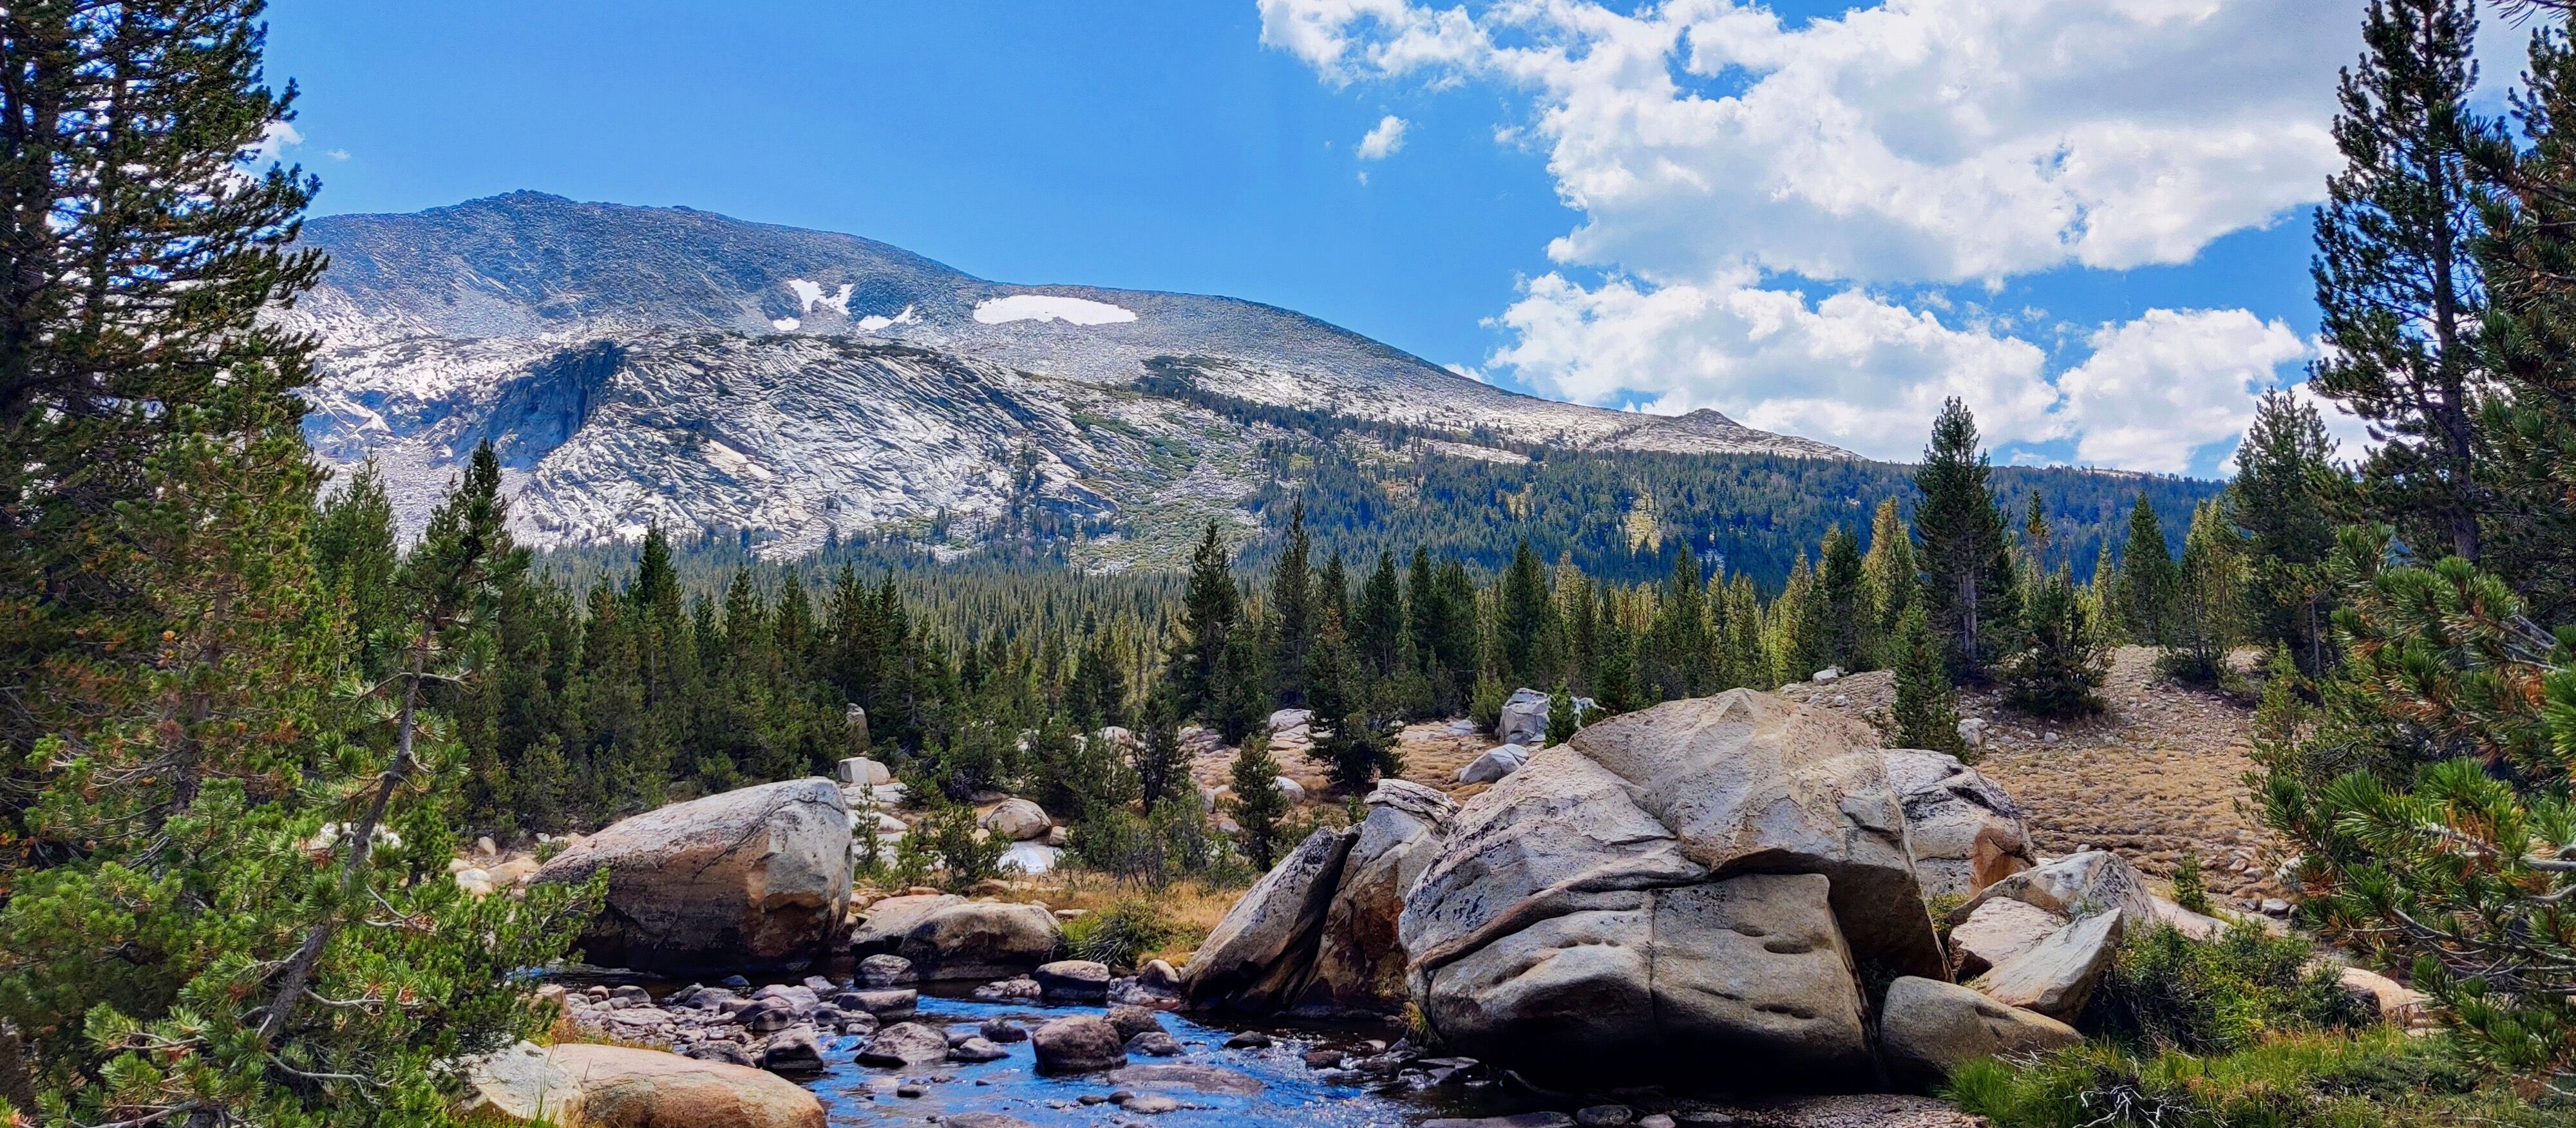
x=355, y=558
x=2397, y=285
x=1380, y=620
x=1209, y=609
x=1800, y=630
x=2528, y=347
x=2207, y=592
x=1840, y=586
x=1345, y=736
x=2147, y=576
x=1295, y=610
x=1927, y=705
x=171, y=750
x=2035, y=529
x=1562, y=717
x=1523, y=614
x=2059, y=668
x=2281, y=501
x=1959, y=534
x=1258, y=804
x=1888, y=581
x=1616, y=689
x=1675, y=658
x=1162, y=764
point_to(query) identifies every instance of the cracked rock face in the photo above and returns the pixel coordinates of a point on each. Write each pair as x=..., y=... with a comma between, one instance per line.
x=1699, y=889
x=755, y=877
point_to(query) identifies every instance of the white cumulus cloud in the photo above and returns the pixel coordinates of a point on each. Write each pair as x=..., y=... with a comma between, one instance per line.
x=1712, y=147
x=1384, y=141
x=2160, y=387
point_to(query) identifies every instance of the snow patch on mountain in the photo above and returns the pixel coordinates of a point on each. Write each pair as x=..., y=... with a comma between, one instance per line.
x=1050, y=307
x=876, y=322
x=810, y=294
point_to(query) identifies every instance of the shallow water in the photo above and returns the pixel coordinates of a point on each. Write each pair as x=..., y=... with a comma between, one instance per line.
x=1292, y=1095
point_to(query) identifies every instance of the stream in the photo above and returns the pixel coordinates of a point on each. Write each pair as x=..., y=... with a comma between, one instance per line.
x=1291, y=1095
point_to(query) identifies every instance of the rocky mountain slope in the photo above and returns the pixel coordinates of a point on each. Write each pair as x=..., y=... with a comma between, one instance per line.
x=643, y=365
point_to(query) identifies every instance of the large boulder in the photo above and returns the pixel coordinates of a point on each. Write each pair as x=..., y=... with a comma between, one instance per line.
x=885, y=923
x=2075, y=885
x=980, y=940
x=1707, y=881
x=1359, y=961
x=577, y=1085
x=1082, y=1044
x=1928, y=1029
x=2057, y=975
x=1497, y=762
x=1966, y=832
x=758, y=877
x=1524, y=719
x=1253, y=960
x=1997, y=931
x=860, y=771
x=1017, y=820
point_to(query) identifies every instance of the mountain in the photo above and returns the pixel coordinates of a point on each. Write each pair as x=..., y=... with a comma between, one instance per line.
x=637, y=365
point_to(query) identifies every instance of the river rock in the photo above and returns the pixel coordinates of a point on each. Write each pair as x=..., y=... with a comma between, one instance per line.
x=1081, y=1044
x=1966, y=833
x=1515, y=1120
x=1496, y=763
x=1073, y=981
x=1017, y=820
x=1997, y=931
x=1154, y=1043
x=885, y=922
x=976, y=939
x=884, y=1002
x=1592, y=915
x=2057, y=975
x=1159, y=975
x=1524, y=719
x=977, y=1050
x=1132, y=1021
x=579, y=1085
x=1359, y=961
x=904, y=1044
x=882, y=970
x=1247, y=962
x=1928, y=1029
x=758, y=876
x=792, y=1050
x=1193, y=1077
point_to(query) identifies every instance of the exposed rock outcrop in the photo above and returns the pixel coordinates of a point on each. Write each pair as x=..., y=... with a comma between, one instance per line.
x=1928, y=1029
x=1966, y=833
x=1317, y=934
x=1700, y=884
x=948, y=937
x=579, y=1085
x=758, y=876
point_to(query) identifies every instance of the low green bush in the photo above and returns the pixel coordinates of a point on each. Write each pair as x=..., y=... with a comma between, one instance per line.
x=1121, y=935
x=2378, y=1078
x=2167, y=991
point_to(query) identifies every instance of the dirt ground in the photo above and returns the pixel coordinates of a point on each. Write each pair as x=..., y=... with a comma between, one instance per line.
x=2160, y=772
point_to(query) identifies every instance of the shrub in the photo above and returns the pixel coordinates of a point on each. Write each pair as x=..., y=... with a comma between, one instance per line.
x=2171, y=992
x=1486, y=708
x=1122, y=935
x=948, y=836
x=2378, y=1079
x=2190, y=889
x=1173, y=842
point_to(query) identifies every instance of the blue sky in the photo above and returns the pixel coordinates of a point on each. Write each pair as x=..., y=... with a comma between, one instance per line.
x=1216, y=146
